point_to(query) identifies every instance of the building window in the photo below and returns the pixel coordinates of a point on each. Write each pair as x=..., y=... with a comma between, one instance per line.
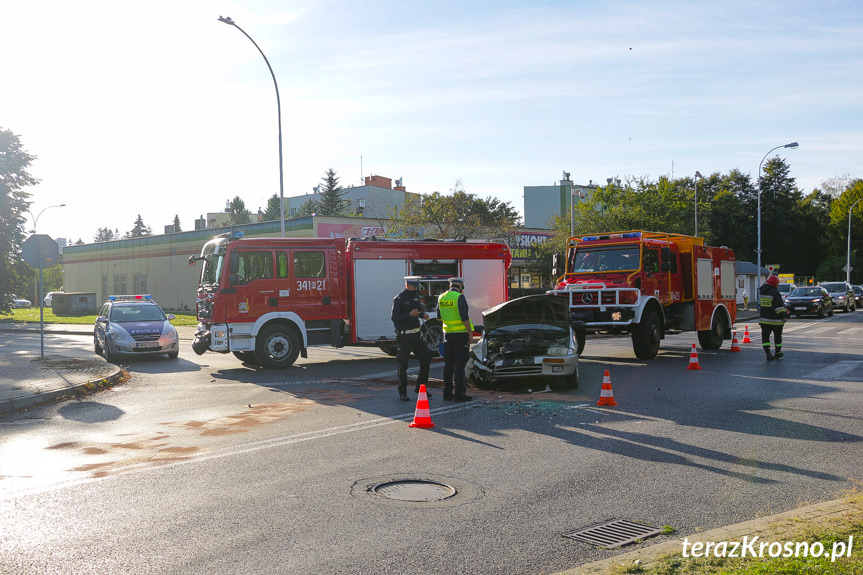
x=140, y=283
x=119, y=285
x=104, y=287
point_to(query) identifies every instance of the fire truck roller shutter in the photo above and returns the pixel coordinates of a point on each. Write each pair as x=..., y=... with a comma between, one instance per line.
x=376, y=282
x=485, y=285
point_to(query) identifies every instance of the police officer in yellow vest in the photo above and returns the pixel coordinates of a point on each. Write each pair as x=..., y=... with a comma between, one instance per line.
x=458, y=330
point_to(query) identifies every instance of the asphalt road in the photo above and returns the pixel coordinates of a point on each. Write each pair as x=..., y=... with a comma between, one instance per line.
x=203, y=465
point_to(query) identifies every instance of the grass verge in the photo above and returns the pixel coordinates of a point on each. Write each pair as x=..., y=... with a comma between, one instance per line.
x=807, y=538
x=30, y=315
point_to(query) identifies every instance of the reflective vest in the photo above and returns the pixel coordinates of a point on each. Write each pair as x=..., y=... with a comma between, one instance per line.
x=449, y=314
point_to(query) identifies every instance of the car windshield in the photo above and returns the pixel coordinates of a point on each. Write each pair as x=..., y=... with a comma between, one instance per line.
x=606, y=259
x=858, y=290
x=127, y=313
x=835, y=287
x=805, y=292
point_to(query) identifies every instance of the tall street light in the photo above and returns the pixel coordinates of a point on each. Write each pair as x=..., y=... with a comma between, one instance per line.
x=697, y=175
x=791, y=145
x=36, y=285
x=848, y=262
x=230, y=22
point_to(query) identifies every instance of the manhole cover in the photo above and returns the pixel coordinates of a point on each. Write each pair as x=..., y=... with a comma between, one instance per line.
x=416, y=490
x=614, y=533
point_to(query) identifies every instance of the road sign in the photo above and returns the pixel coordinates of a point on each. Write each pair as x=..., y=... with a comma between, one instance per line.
x=40, y=251
x=847, y=269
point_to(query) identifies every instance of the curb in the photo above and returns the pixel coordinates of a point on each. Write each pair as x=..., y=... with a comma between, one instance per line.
x=781, y=527
x=10, y=406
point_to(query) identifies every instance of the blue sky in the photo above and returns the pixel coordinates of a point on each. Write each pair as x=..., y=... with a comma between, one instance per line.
x=160, y=109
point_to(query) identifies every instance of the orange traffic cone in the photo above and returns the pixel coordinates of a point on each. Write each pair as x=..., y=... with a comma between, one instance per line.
x=422, y=415
x=693, y=359
x=606, y=395
x=734, y=346
x=746, y=335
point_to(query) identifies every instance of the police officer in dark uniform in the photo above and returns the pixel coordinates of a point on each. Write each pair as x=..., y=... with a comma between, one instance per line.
x=406, y=315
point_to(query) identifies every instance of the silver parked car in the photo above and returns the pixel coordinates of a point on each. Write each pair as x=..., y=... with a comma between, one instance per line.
x=525, y=341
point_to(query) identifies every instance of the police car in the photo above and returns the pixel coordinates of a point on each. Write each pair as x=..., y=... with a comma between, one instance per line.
x=134, y=325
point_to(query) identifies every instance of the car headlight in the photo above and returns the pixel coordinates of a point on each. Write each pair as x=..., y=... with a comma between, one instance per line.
x=560, y=350
x=816, y=300
x=118, y=334
x=171, y=333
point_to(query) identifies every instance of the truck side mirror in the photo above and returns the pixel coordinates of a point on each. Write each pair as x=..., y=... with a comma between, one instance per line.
x=235, y=262
x=556, y=270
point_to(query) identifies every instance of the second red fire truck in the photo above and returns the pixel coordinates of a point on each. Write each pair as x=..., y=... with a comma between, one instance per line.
x=648, y=284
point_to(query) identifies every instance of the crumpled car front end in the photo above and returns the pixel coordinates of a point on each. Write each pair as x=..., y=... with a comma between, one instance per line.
x=525, y=341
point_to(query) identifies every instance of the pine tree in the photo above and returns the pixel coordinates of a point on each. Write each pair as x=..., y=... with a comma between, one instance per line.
x=238, y=212
x=139, y=230
x=331, y=202
x=177, y=223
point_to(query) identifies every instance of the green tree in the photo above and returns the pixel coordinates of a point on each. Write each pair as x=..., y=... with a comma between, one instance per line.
x=457, y=215
x=271, y=214
x=177, y=223
x=14, y=177
x=831, y=269
x=238, y=212
x=106, y=235
x=331, y=202
x=307, y=208
x=139, y=230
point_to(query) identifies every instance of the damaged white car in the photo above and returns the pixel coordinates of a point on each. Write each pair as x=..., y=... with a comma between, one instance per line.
x=525, y=341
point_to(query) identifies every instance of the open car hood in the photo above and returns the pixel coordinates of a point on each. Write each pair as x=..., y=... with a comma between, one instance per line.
x=533, y=309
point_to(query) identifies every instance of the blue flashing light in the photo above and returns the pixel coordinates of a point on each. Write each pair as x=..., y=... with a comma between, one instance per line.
x=236, y=235
x=632, y=235
x=590, y=239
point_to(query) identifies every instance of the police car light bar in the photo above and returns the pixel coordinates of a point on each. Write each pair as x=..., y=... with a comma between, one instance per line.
x=136, y=297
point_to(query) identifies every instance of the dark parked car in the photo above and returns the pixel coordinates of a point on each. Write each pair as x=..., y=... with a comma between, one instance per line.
x=134, y=325
x=842, y=294
x=858, y=295
x=810, y=300
x=525, y=341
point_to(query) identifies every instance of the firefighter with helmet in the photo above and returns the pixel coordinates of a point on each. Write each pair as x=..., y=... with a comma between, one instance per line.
x=773, y=316
x=458, y=330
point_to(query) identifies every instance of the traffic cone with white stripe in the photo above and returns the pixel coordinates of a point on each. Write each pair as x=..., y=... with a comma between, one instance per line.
x=693, y=359
x=422, y=415
x=746, y=335
x=606, y=395
x=734, y=346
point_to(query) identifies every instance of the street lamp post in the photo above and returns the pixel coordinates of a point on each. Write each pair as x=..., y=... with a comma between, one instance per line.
x=697, y=175
x=848, y=262
x=230, y=22
x=36, y=285
x=791, y=145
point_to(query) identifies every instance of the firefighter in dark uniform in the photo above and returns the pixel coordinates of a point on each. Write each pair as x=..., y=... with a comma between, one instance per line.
x=458, y=330
x=773, y=316
x=406, y=315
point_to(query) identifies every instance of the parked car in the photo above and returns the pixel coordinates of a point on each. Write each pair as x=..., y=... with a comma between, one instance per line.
x=527, y=340
x=842, y=294
x=810, y=300
x=134, y=325
x=49, y=298
x=785, y=289
x=858, y=295
x=20, y=302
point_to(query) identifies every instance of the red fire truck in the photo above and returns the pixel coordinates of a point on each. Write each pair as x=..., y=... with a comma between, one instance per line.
x=268, y=299
x=648, y=284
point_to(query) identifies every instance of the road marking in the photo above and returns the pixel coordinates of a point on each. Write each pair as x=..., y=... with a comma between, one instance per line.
x=837, y=371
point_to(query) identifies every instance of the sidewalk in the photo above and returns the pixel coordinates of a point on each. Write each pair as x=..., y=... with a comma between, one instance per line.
x=27, y=379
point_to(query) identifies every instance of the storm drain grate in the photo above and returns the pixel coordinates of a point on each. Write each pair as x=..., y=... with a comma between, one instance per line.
x=614, y=533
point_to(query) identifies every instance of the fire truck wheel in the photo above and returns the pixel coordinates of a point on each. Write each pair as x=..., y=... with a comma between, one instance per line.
x=713, y=338
x=646, y=336
x=278, y=346
x=580, y=340
x=392, y=350
x=246, y=356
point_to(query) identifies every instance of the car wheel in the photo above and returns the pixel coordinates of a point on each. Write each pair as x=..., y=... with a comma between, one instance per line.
x=174, y=354
x=277, y=346
x=110, y=356
x=646, y=336
x=96, y=347
x=580, y=340
x=713, y=338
